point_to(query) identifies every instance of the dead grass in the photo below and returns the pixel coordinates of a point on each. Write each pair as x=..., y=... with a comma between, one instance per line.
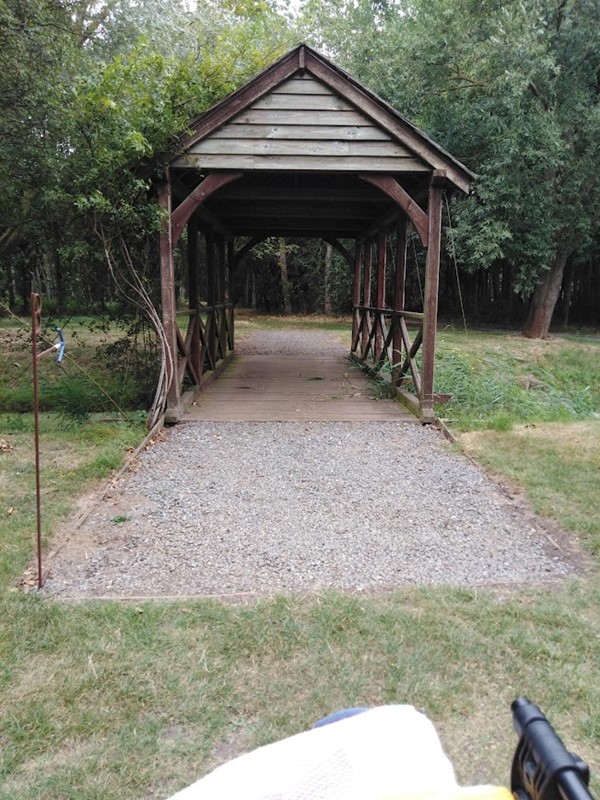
x=555, y=464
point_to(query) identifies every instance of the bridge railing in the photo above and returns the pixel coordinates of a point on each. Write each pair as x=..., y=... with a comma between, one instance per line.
x=381, y=341
x=207, y=343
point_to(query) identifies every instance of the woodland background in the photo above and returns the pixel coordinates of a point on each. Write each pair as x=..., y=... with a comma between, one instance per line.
x=94, y=95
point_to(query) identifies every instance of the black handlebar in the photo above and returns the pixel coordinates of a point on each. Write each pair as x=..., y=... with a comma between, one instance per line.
x=542, y=768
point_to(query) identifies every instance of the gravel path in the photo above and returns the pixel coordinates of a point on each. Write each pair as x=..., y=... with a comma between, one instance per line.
x=292, y=343
x=231, y=508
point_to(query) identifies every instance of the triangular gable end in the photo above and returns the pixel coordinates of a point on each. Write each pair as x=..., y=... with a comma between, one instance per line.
x=302, y=125
x=304, y=113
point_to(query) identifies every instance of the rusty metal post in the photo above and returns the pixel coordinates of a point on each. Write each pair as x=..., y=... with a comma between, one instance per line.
x=36, y=326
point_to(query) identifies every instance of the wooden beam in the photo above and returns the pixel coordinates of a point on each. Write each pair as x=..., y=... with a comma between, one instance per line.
x=380, y=295
x=399, y=291
x=366, y=326
x=391, y=121
x=221, y=262
x=306, y=230
x=211, y=297
x=432, y=277
x=212, y=183
x=249, y=209
x=233, y=215
x=392, y=188
x=359, y=249
x=299, y=194
x=169, y=308
x=267, y=224
x=193, y=294
x=231, y=288
x=337, y=245
x=192, y=262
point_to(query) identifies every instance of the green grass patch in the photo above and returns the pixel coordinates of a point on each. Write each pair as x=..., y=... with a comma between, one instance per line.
x=497, y=380
x=141, y=699
x=556, y=464
x=252, y=322
x=72, y=458
x=128, y=700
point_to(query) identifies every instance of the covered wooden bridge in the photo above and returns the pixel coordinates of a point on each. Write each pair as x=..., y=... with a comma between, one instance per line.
x=304, y=150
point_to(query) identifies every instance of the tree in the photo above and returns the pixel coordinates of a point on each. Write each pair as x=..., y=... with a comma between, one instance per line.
x=512, y=89
x=97, y=94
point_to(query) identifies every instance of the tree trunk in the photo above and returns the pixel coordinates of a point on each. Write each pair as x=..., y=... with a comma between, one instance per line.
x=59, y=283
x=544, y=300
x=567, y=294
x=285, y=282
x=10, y=285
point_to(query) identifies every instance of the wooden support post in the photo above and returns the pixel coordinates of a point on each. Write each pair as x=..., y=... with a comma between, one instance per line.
x=221, y=287
x=210, y=267
x=359, y=249
x=211, y=299
x=399, y=293
x=169, y=308
x=231, y=290
x=193, y=294
x=380, y=297
x=432, y=279
x=366, y=320
x=221, y=264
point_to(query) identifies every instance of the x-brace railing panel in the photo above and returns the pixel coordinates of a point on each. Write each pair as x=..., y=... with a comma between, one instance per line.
x=374, y=342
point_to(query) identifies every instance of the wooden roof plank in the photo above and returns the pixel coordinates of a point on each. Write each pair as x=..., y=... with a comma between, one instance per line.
x=304, y=73
x=309, y=102
x=282, y=132
x=342, y=118
x=298, y=147
x=300, y=163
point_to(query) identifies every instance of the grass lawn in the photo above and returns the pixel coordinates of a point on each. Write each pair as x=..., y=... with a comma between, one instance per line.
x=124, y=700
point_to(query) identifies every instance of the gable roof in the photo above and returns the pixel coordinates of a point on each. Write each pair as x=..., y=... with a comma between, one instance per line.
x=319, y=117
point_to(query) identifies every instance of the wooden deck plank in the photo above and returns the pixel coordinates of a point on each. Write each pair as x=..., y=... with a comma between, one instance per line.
x=280, y=388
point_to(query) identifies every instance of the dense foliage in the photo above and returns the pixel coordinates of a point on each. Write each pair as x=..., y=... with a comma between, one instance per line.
x=94, y=94
x=97, y=96
x=512, y=89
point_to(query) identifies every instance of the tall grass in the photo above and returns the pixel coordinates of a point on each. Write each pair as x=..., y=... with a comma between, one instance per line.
x=492, y=389
x=105, y=368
